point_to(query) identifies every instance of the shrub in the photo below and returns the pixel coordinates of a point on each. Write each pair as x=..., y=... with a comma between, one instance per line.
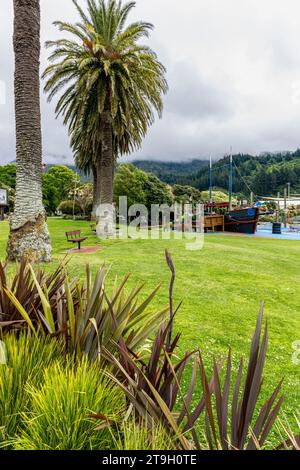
x=67, y=208
x=60, y=409
x=26, y=359
x=22, y=288
x=132, y=435
x=83, y=315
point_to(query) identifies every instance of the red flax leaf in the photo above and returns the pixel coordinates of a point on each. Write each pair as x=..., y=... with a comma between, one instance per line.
x=255, y=386
x=172, y=269
x=190, y=393
x=271, y=420
x=263, y=415
x=226, y=390
x=250, y=372
x=200, y=407
x=234, y=409
x=107, y=423
x=207, y=397
x=218, y=395
x=185, y=406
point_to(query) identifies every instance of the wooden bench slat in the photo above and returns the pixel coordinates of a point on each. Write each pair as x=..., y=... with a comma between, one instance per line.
x=74, y=237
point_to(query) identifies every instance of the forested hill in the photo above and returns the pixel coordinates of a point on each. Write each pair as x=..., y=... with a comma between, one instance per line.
x=264, y=175
x=171, y=172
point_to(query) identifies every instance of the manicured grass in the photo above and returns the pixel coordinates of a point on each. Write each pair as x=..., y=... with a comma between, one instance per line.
x=221, y=286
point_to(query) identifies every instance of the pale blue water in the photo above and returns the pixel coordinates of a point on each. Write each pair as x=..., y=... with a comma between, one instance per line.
x=286, y=234
x=264, y=231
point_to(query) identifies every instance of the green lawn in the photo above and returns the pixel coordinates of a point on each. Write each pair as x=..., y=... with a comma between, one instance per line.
x=221, y=286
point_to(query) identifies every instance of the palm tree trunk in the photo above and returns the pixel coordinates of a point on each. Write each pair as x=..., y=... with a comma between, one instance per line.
x=105, y=164
x=96, y=190
x=29, y=234
x=95, y=179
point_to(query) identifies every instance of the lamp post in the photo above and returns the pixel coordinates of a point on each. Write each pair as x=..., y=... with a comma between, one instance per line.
x=74, y=199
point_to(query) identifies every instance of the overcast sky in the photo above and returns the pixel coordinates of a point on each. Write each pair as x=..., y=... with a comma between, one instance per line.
x=233, y=72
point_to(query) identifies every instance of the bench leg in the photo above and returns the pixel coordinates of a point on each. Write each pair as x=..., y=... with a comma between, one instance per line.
x=79, y=245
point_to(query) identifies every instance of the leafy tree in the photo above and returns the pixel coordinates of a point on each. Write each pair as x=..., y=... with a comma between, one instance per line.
x=130, y=182
x=57, y=183
x=111, y=83
x=140, y=187
x=8, y=175
x=8, y=182
x=157, y=192
x=80, y=201
x=186, y=194
x=84, y=198
x=28, y=230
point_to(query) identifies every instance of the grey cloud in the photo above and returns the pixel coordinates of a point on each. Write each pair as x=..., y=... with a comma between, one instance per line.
x=231, y=70
x=191, y=96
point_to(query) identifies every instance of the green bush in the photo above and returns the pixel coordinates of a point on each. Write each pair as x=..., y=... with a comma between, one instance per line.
x=26, y=359
x=140, y=187
x=66, y=207
x=59, y=417
x=57, y=183
x=82, y=314
x=136, y=436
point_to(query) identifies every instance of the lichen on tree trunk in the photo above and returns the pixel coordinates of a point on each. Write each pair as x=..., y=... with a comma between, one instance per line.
x=31, y=241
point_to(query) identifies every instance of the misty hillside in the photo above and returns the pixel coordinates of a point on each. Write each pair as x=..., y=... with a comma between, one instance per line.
x=171, y=172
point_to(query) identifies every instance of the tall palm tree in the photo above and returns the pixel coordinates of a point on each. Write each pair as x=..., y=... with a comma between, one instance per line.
x=111, y=85
x=29, y=234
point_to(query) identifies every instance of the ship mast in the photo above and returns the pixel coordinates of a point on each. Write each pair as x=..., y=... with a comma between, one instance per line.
x=230, y=180
x=210, y=181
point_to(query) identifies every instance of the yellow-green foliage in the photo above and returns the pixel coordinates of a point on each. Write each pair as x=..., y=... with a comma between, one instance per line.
x=134, y=436
x=60, y=409
x=26, y=359
x=218, y=196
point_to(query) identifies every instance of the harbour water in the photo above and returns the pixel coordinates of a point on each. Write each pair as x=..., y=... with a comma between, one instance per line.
x=265, y=230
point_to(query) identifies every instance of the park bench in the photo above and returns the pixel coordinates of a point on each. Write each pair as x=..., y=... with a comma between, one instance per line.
x=74, y=237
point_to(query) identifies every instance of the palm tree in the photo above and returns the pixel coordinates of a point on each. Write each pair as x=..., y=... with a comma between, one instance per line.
x=29, y=234
x=111, y=86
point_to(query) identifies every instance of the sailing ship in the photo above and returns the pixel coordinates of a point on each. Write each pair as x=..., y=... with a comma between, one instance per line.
x=242, y=220
x=238, y=219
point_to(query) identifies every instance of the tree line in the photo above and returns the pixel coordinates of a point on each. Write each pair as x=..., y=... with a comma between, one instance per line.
x=265, y=175
x=64, y=192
